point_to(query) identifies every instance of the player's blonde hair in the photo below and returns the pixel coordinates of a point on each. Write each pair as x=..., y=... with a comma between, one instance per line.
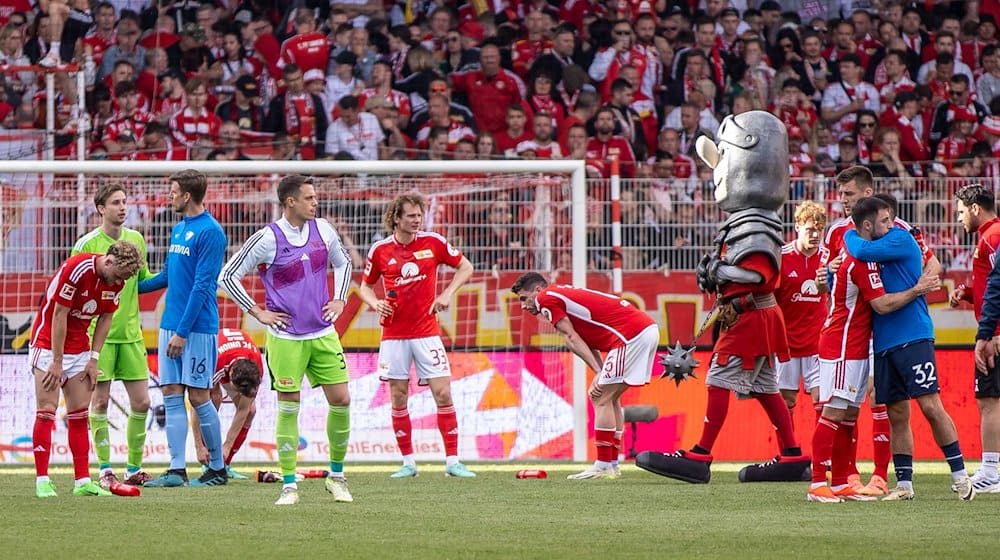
x=809, y=210
x=127, y=257
x=394, y=211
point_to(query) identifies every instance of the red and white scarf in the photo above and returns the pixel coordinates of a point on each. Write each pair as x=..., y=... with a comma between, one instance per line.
x=300, y=122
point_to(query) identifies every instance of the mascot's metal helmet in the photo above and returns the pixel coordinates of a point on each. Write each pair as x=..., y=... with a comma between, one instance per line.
x=750, y=161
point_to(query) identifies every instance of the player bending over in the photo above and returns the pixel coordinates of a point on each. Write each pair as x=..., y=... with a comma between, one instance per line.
x=238, y=373
x=63, y=356
x=593, y=322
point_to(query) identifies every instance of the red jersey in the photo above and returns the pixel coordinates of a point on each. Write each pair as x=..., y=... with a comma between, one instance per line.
x=548, y=151
x=507, y=144
x=834, y=241
x=951, y=147
x=601, y=153
x=399, y=99
x=187, y=127
x=136, y=124
x=847, y=332
x=234, y=344
x=758, y=332
x=77, y=286
x=524, y=53
x=490, y=96
x=411, y=270
x=982, y=264
x=799, y=299
x=310, y=51
x=603, y=321
x=98, y=45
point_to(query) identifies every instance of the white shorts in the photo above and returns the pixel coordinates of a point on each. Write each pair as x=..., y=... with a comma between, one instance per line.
x=427, y=354
x=843, y=383
x=73, y=364
x=632, y=364
x=805, y=369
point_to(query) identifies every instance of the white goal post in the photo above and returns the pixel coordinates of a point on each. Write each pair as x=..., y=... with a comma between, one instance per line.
x=152, y=172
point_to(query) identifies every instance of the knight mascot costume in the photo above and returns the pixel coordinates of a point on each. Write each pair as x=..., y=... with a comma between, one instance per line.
x=751, y=177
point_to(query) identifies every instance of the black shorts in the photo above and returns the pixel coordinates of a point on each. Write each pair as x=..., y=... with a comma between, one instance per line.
x=77, y=26
x=988, y=386
x=905, y=372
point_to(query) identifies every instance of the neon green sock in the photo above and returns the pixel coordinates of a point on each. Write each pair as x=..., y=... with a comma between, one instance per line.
x=338, y=433
x=135, y=433
x=287, y=436
x=102, y=441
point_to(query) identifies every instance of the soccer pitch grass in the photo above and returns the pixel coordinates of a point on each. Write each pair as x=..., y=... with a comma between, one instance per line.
x=494, y=516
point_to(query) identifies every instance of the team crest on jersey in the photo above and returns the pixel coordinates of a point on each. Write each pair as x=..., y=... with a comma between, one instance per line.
x=423, y=254
x=90, y=307
x=67, y=291
x=188, y=236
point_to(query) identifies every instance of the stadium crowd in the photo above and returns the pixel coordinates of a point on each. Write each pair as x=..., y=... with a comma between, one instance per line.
x=906, y=88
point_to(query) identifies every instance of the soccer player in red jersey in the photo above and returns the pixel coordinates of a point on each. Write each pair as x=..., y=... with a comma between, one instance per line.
x=238, y=372
x=593, y=322
x=854, y=183
x=844, y=349
x=407, y=261
x=62, y=354
x=977, y=212
x=802, y=298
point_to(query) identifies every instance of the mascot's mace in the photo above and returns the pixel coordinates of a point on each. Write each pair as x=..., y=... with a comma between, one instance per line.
x=751, y=177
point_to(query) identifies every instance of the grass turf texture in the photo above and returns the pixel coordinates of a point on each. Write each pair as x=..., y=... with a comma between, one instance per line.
x=494, y=516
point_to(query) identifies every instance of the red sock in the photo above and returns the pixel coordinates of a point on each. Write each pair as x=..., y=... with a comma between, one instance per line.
x=618, y=444
x=852, y=464
x=238, y=442
x=822, y=449
x=41, y=440
x=777, y=412
x=448, y=426
x=605, y=441
x=843, y=460
x=880, y=440
x=79, y=442
x=818, y=408
x=715, y=416
x=401, y=425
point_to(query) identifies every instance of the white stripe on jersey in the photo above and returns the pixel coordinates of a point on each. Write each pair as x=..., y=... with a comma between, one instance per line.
x=583, y=313
x=81, y=269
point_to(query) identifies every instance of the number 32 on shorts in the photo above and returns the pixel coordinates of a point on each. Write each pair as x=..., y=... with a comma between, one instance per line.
x=925, y=374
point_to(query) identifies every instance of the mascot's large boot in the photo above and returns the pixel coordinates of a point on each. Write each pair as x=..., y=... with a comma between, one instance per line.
x=780, y=469
x=681, y=465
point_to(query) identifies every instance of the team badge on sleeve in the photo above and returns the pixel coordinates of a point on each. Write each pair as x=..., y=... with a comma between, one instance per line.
x=67, y=291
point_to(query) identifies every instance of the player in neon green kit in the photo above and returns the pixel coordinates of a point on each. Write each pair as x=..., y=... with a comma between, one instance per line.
x=124, y=354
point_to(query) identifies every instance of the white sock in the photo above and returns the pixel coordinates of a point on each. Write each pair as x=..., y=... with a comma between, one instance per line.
x=451, y=460
x=55, y=48
x=958, y=475
x=602, y=465
x=291, y=485
x=409, y=461
x=82, y=481
x=990, y=460
x=40, y=479
x=905, y=484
